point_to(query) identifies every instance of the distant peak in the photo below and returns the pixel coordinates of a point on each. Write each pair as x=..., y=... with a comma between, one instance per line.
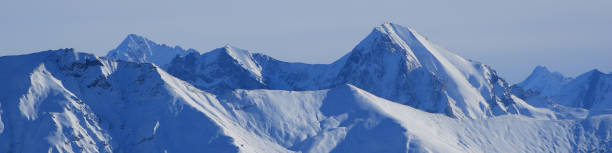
x=542, y=78
x=137, y=48
x=228, y=47
x=234, y=50
x=134, y=37
x=131, y=35
x=61, y=51
x=544, y=71
x=595, y=71
x=135, y=40
x=242, y=57
x=390, y=32
x=388, y=24
x=390, y=28
x=541, y=68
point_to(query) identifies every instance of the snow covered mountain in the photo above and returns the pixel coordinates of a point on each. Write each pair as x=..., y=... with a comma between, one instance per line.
x=394, y=92
x=64, y=101
x=139, y=49
x=591, y=90
x=544, y=81
x=392, y=62
x=399, y=64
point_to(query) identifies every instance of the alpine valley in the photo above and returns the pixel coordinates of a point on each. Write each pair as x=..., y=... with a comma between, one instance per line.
x=394, y=92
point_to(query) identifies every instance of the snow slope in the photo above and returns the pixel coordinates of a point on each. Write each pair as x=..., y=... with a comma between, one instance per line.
x=139, y=49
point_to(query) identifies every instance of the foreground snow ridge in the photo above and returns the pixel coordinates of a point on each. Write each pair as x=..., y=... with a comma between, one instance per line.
x=394, y=92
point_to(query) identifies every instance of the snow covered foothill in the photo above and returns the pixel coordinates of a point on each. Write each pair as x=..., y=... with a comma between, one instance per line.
x=349, y=119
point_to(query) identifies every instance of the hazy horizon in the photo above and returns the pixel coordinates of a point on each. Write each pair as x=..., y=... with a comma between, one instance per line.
x=571, y=37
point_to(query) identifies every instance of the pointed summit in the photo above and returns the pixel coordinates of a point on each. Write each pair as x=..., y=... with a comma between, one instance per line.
x=136, y=41
x=397, y=63
x=137, y=48
x=544, y=81
x=395, y=29
x=595, y=71
x=541, y=68
x=244, y=58
x=134, y=37
x=236, y=52
x=391, y=39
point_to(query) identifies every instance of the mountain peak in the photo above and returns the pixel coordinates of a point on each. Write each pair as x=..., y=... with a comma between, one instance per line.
x=235, y=50
x=389, y=40
x=392, y=27
x=544, y=81
x=587, y=90
x=134, y=39
x=136, y=48
x=244, y=58
x=541, y=68
x=227, y=46
x=134, y=36
x=540, y=71
x=595, y=71
x=400, y=40
x=394, y=59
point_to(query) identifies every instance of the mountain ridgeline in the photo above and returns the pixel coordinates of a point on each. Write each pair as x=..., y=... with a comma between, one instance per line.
x=392, y=62
x=591, y=90
x=394, y=92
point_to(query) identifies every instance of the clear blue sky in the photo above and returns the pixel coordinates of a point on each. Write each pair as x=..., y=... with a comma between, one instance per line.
x=569, y=36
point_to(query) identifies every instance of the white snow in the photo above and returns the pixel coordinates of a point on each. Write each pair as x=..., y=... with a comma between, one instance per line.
x=245, y=59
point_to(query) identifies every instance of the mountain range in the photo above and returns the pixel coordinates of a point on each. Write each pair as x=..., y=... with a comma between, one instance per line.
x=396, y=91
